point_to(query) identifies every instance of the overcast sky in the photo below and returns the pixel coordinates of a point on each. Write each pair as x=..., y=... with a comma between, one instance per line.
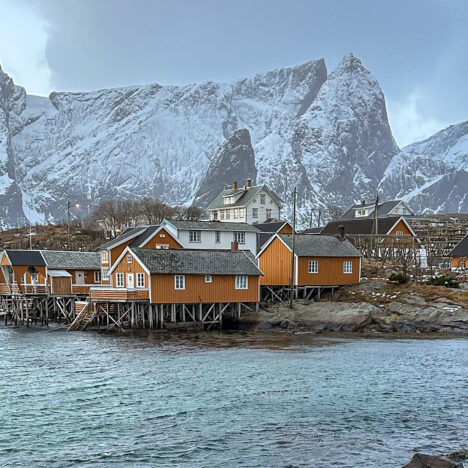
x=417, y=49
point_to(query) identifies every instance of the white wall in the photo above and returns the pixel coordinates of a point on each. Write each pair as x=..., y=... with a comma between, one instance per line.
x=248, y=218
x=208, y=240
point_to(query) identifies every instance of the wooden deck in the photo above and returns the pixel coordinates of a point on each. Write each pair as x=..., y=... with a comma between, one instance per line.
x=118, y=294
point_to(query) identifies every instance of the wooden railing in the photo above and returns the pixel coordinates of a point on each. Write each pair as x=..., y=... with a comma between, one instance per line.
x=118, y=294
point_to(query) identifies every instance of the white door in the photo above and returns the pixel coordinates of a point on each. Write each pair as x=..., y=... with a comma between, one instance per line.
x=79, y=277
x=130, y=281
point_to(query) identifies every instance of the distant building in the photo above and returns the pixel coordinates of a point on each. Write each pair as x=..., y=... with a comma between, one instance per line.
x=386, y=209
x=459, y=254
x=248, y=204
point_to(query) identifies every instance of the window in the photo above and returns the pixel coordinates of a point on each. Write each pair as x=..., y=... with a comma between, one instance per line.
x=215, y=215
x=208, y=279
x=104, y=256
x=194, y=236
x=97, y=277
x=104, y=273
x=242, y=282
x=268, y=213
x=241, y=212
x=162, y=235
x=347, y=267
x=313, y=266
x=262, y=199
x=119, y=280
x=217, y=237
x=221, y=214
x=179, y=281
x=129, y=259
x=140, y=277
x=254, y=212
x=161, y=246
x=239, y=237
x=228, y=214
x=236, y=213
x=399, y=233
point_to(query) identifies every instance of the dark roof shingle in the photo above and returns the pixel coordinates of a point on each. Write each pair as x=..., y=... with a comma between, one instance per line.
x=313, y=245
x=72, y=260
x=245, y=197
x=197, y=262
x=360, y=226
x=128, y=234
x=461, y=249
x=211, y=225
x=25, y=257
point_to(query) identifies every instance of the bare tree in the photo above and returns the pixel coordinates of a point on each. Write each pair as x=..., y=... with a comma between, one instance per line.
x=335, y=212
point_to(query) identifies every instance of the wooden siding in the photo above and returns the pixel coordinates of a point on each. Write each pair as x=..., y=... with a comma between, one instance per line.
x=60, y=285
x=459, y=262
x=275, y=263
x=162, y=237
x=5, y=260
x=125, y=267
x=401, y=226
x=116, y=252
x=118, y=294
x=221, y=289
x=286, y=229
x=330, y=271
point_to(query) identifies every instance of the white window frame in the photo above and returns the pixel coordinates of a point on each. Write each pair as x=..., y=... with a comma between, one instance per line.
x=221, y=214
x=194, y=237
x=208, y=278
x=179, y=282
x=399, y=233
x=262, y=199
x=239, y=237
x=241, y=212
x=217, y=237
x=104, y=256
x=140, y=280
x=119, y=280
x=242, y=282
x=104, y=273
x=228, y=214
x=129, y=259
x=347, y=267
x=255, y=213
x=313, y=267
x=215, y=215
x=268, y=213
x=235, y=213
x=98, y=277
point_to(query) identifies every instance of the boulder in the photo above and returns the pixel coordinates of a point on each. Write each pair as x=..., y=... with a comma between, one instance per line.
x=420, y=460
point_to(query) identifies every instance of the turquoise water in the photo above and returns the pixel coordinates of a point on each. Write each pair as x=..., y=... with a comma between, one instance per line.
x=227, y=400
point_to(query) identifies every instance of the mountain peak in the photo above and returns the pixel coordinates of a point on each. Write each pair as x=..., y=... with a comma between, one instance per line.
x=350, y=63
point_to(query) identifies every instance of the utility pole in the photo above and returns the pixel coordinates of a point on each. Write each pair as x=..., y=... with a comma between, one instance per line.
x=68, y=213
x=376, y=215
x=293, y=238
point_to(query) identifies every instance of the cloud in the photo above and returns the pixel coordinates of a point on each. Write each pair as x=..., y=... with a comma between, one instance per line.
x=23, y=40
x=409, y=122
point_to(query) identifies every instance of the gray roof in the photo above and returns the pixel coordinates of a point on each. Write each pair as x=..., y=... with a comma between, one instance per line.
x=314, y=245
x=270, y=227
x=144, y=236
x=25, y=257
x=461, y=249
x=361, y=225
x=211, y=226
x=72, y=260
x=314, y=230
x=128, y=234
x=198, y=262
x=384, y=209
x=247, y=195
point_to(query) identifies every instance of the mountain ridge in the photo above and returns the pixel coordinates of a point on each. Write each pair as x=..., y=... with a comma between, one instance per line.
x=328, y=133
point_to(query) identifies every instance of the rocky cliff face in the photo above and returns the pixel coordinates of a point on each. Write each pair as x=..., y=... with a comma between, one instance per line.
x=234, y=161
x=326, y=134
x=432, y=175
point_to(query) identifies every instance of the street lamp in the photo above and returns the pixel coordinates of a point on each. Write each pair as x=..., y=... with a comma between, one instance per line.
x=78, y=207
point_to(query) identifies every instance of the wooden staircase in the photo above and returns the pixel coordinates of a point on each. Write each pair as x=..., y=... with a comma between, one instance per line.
x=83, y=319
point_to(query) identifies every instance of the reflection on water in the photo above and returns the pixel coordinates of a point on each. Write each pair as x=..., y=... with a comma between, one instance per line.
x=212, y=399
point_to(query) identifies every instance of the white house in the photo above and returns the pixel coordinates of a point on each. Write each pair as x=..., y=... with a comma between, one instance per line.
x=384, y=210
x=213, y=234
x=248, y=204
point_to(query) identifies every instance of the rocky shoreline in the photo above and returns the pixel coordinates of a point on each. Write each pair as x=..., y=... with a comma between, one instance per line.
x=371, y=307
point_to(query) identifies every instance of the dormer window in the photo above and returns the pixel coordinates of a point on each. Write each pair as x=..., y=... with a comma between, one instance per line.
x=361, y=213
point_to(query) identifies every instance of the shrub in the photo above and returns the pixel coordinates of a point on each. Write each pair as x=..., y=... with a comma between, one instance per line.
x=398, y=278
x=447, y=281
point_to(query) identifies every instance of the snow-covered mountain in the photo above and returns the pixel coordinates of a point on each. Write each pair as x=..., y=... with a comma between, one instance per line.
x=432, y=175
x=327, y=134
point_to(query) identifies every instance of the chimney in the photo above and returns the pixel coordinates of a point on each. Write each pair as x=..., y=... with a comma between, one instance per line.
x=248, y=183
x=363, y=202
x=234, y=246
x=341, y=232
x=234, y=185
